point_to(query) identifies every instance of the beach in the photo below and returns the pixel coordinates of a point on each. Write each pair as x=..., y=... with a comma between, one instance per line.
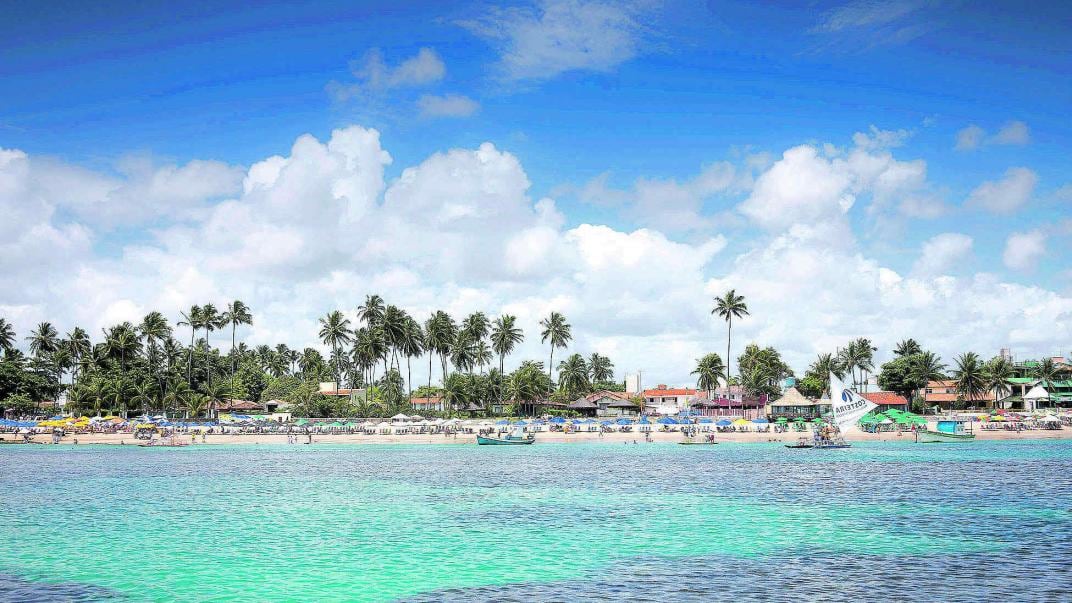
x=791, y=437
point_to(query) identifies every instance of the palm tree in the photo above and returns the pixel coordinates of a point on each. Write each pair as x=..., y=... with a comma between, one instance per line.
x=439, y=334
x=476, y=325
x=482, y=355
x=573, y=375
x=211, y=320
x=118, y=392
x=463, y=352
x=122, y=340
x=80, y=347
x=728, y=307
x=44, y=340
x=505, y=335
x=1046, y=372
x=334, y=331
x=393, y=327
x=192, y=319
x=907, y=347
x=558, y=331
x=195, y=404
x=412, y=344
x=154, y=328
x=7, y=336
x=237, y=314
x=997, y=376
x=600, y=368
x=708, y=370
x=144, y=395
x=969, y=377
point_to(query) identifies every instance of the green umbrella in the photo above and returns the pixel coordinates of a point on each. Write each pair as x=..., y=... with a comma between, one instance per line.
x=302, y=422
x=799, y=420
x=782, y=420
x=817, y=420
x=868, y=420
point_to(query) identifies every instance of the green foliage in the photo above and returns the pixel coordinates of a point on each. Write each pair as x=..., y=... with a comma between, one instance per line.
x=762, y=370
x=811, y=386
x=281, y=388
x=250, y=382
x=20, y=404
x=610, y=386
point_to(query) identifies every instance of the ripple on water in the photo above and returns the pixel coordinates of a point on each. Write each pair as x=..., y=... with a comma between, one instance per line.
x=591, y=522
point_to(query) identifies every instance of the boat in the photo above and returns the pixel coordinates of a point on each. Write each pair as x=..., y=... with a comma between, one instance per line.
x=847, y=408
x=168, y=442
x=950, y=430
x=801, y=444
x=517, y=438
x=692, y=442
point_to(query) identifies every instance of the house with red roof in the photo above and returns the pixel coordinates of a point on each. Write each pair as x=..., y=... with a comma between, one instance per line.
x=663, y=400
x=886, y=401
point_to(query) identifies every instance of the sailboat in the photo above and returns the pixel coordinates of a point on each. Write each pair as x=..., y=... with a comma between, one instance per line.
x=848, y=407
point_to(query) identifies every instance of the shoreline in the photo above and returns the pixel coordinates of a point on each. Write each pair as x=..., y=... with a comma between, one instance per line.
x=853, y=435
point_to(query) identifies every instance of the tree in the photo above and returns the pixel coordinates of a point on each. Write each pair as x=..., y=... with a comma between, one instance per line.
x=573, y=376
x=997, y=376
x=708, y=370
x=463, y=352
x=907, y=347
x=528, y=385
x=154, y=329
x=505, y=335
x=237, y=314
x=335, y=331
x=728, y=307
x=192, y=319
x=412, y=346
x=440, y=332
x=600, y=368
x=858, y=356
x=558, y=331
x=80, y=347
x=1046, y=372
x=969, y=377
x=7, y=336
x=195, y=404
x=901, y=375
x=762, y=370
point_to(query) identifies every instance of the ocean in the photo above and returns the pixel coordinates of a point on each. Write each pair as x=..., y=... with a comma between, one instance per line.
x=990, y=520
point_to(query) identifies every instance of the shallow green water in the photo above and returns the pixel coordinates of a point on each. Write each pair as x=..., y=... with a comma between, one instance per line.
x=376, y=523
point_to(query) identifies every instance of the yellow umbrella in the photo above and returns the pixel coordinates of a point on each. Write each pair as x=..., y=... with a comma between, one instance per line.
x=742, y=422
x=997, y=418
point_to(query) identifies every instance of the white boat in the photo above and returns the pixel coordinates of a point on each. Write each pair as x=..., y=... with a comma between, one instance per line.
x=848, y=406
x=951, y=430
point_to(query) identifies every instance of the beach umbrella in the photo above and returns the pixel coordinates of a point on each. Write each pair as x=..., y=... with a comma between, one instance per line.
x=760, y=421
x=502, y=422
x=624, y=421
x=724, y=422
x=997, y=418
x=817, y=420
x=781, y=420
x=400, y=417
x=742, y=422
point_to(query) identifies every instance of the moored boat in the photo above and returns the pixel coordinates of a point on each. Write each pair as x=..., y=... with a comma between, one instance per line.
x=946, y=431
x=801, y=444
x=518, y=437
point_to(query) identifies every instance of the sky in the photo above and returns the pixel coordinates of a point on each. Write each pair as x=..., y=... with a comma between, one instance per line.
x=884, y=169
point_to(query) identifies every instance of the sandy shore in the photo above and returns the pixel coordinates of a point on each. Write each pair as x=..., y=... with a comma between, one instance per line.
x=610, y=438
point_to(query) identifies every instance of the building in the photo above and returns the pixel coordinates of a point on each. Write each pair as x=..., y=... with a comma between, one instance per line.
x=436, y=403
x=793, y=405
x=605, y=404
x=943, y=394
x=242, y=407
x=329, y=388
x=669, y=401
x=749, y=408
x=886, y=401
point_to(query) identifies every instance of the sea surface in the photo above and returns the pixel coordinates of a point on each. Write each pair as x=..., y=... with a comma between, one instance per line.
x=986, y=521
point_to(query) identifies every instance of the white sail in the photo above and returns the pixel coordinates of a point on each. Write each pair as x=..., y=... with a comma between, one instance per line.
x=848, y=405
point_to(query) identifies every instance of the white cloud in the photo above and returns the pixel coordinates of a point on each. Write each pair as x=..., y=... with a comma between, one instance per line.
x=375, y=76
x=866, y=13
x=800, y=188
x=1005, y=195
x=876, y=139
x=1014, y=132
x=970, y=138
x=318, y=227
x=562, y=35
x=1023, y=250
x=943, y=253
x=449, y=105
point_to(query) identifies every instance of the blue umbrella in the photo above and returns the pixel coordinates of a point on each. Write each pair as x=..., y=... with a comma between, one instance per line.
x=557, y=420
x=724, y=422
x=503, y=422
x=667, y=421
x=643, y=421
x=760, y=421
x=706, y=420
x=624, y=421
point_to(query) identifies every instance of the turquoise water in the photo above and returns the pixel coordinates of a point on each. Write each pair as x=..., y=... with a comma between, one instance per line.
x=546, y=522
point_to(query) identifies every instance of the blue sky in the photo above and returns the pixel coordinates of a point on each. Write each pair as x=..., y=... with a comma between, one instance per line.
x=646, y=91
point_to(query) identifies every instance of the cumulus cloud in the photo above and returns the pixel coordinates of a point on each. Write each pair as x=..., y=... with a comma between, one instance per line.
x=877, y=139
x=561, y=35
x=943, y=253
x=1023, y=250
x=318, y=226
x=1006, y=195
x=449, y=105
